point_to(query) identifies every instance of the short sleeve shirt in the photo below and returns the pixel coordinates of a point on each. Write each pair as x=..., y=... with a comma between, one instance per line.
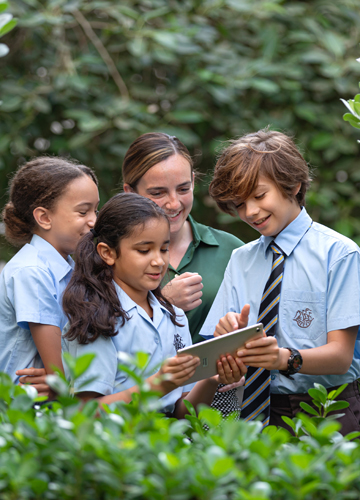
x=207, y=255
x=31, y=288
x=320, y=292
x=158, y=337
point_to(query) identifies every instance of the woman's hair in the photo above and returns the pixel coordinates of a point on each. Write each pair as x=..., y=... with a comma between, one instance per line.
x=147, y=151
x=38, y=183
x=90, y=300
x=269, y=153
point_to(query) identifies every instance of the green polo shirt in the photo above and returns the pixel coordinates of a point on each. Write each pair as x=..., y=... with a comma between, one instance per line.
x=208, y=255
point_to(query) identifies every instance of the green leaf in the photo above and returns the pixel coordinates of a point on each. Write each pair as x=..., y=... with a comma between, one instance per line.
x=306, y=407
x=288, y=421
x=4, y=6
x=82, y=364
x=190, y=408
x=354, y=122
x=337, y=405
x=318, y=395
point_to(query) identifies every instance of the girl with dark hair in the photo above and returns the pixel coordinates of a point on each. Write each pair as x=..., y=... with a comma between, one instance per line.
x=114, y=303
x=159, y=167
x=53, y=202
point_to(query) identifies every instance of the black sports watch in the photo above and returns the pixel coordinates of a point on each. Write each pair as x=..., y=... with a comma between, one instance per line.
x=294, y=363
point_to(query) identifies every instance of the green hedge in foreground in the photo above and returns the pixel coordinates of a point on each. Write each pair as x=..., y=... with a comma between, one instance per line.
x=68, y=451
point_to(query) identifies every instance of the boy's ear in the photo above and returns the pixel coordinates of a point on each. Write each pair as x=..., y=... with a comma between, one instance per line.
x=42, y=217
x=128, y=188
x=297, y=189
x=107, y=254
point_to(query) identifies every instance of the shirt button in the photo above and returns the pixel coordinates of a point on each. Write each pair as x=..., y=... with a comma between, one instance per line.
x=273, y=377
x=156, y=340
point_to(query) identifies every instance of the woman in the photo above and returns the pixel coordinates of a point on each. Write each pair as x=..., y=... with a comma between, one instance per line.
x=159, y=167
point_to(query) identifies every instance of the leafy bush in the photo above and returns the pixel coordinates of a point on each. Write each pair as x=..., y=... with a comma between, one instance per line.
x=67, y=450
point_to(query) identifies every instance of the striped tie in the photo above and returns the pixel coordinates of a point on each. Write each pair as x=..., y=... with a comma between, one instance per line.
x=256, y=400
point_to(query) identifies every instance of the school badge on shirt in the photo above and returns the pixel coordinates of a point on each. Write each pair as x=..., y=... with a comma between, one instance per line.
x=303, y=318
x=178, y=343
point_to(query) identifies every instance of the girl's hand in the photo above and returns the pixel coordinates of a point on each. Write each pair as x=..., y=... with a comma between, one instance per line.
x=184, y=291
x=264, y=353
x=230, y=371
x=233, y=321
x=37, y=378
x=179, y=369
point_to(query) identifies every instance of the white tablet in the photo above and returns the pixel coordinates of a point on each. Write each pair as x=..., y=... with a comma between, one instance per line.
x=211, y=350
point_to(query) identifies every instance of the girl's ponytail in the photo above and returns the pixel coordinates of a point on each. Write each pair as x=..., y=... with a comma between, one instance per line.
x=90, y=300
x=18, y=231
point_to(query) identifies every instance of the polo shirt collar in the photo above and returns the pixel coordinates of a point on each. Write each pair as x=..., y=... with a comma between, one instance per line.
x=128, y=304
x=202, y=234
x=291, y=235
x=59, y=266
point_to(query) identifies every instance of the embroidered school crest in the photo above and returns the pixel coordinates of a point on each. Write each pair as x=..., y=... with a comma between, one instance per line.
x=178, y=343
x=303, y=318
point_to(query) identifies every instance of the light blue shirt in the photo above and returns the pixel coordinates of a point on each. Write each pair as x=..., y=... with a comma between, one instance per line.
x=31, y=287
x=158, y=337
x=320, y=293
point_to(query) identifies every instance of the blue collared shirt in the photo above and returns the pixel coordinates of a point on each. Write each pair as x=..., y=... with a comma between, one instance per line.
x=31, y=287
x=158, y=337
x=320, y=293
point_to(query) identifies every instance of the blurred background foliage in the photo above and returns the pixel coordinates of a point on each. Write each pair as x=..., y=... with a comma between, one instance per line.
x=84, y=78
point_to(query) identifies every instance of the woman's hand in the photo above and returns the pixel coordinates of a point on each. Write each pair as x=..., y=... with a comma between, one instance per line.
x=264, y=353
x=184, y=291
x=37, y=378
x=233, y=321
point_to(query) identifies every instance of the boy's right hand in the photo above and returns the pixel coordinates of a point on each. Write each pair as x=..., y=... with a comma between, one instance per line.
x=184, y=291
x=233, y=321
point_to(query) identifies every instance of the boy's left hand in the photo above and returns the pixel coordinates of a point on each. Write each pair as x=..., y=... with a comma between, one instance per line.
x=264, y=353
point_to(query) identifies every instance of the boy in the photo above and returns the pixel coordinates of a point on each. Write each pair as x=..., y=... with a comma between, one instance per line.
x=301, y=279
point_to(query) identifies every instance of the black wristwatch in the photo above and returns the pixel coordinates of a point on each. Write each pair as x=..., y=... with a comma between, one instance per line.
x=294, y=363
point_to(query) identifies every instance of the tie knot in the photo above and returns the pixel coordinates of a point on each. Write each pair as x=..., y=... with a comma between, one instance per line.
x=276, y=249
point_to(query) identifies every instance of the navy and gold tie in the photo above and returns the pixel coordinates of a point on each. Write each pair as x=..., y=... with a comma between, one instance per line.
x=256, y=400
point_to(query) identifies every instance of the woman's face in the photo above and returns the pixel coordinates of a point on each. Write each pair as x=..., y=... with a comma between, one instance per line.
x=170, y=184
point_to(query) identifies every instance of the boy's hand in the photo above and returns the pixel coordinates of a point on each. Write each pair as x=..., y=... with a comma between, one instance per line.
x=233, y=321
x=264, y=353
x=184, y=291
x=37, y=378
x=180, y=369
x=230, y=371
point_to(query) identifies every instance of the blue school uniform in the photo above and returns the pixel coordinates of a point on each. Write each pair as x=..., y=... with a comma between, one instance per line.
x=31, y=287
x=320, y=293
x=158, y=337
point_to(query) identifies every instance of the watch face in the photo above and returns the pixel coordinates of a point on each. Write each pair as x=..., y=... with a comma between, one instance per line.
x=296, y=362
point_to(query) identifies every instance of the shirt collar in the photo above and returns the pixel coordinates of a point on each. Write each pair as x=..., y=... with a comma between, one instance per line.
x=202, y=234
x=59, y=266
x=291, y=235
x=127, y=303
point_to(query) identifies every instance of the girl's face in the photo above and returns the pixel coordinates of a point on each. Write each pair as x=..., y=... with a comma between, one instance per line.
x=73, y=216
x=170, y=184
x=143, y=258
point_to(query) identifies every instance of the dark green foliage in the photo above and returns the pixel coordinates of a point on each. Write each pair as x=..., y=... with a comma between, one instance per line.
x=85, y=78
x=66, y=450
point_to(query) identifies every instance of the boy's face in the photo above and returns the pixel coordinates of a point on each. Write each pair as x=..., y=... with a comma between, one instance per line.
x=266, y=209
